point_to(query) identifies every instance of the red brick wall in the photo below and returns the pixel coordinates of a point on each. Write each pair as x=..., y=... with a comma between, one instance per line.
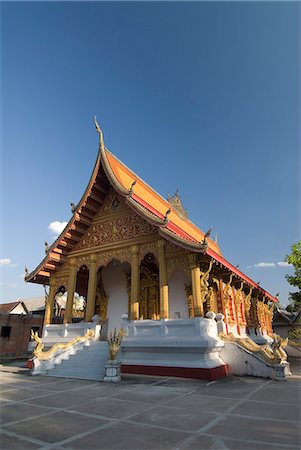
x=16, y=345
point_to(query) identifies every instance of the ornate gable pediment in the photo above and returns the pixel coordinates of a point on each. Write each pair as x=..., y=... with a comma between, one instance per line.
x=113, y=204
x=115, y=222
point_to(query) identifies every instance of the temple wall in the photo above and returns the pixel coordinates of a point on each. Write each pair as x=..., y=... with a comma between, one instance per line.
x=177, y=295
x=114, y=282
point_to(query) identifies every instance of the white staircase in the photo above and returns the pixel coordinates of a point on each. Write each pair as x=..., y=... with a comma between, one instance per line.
x=71, y=351
x=88, y=363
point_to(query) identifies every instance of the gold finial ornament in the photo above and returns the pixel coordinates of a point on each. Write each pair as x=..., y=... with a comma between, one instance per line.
x=206, y=235
x=131, y=190
x=167, y=214
x=99, y=131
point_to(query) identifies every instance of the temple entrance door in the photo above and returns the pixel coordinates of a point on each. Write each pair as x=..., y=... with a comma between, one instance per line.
x=149, y=305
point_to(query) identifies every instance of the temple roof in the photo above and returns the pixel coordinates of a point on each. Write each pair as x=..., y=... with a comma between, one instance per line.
x=170, y=218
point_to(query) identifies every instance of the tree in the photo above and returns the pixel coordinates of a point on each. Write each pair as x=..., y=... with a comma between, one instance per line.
x=295, y=280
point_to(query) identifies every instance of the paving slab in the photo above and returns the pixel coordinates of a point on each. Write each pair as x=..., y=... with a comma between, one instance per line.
x=207, y=442
x=61, y=400
x=17, y=395
x=55, y=426
x=193, y=404
x=12, y=412
x=275, y=394
x=149, y=394
x=14, y=443
x=176, y=418
x=260, y=430
x=231, y=387
x=128, y=436
x=268, y=410
x=111, y=408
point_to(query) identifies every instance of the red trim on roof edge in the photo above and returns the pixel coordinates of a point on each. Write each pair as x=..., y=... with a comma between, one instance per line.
x=147, y=206
x=171, y=226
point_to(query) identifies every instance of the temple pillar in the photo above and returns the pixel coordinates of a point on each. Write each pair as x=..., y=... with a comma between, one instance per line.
x=91, y=289
x=70, y=291
x=237, y=315
x=50, y=303
x=164, y=306
x=196, y=285
x=135, y=282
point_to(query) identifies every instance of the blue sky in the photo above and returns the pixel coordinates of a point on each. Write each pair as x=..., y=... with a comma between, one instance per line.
x=204, y=97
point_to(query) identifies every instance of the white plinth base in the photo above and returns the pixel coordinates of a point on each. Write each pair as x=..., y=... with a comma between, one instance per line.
x=112, y=372
x=167, y=346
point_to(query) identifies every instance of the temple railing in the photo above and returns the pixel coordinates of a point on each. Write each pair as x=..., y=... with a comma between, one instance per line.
x=43, y=361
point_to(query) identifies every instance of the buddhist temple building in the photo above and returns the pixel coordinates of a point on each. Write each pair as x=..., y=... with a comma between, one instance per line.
x=131, y=253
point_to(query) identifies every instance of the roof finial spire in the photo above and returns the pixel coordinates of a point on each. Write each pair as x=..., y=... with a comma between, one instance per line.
x=98, y=129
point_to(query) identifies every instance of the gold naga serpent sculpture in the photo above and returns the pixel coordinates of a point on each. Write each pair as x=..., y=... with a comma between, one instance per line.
x=39, y=353
x=114, y=343
x=273, y=354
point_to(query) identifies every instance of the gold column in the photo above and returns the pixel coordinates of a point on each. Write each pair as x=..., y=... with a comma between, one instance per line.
x=70, y=291
x=196, y=285
x=135, y=281
x=164, y=306
x=50, y=303
x=91, y=289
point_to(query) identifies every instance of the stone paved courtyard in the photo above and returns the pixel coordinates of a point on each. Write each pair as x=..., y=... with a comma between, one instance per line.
x=142, y=413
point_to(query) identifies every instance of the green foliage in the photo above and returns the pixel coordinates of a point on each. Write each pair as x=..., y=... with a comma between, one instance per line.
x=295, y=280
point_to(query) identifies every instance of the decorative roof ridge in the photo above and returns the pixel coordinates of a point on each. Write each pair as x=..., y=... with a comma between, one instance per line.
x=188, y=245
x=148, y=215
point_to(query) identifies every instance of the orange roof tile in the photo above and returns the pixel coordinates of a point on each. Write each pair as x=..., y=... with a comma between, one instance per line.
x=156, y=204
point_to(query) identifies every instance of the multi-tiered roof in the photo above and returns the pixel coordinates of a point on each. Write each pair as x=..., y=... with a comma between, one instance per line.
x=167, y=215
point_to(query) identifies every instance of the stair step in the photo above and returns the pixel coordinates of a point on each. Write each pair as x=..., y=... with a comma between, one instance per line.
x=86, y=363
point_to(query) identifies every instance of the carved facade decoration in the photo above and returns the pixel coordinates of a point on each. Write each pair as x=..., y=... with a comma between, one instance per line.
x=248, y=301
x=207, y=291
x=172, y=248
x=60, y=281
x=226, y=292
x=116, y=230
x=120, y=254
x=238, y=295
x=112, y=204
x=82, y=261
x=177, y=262
x=261, y=309
x=151, y=247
